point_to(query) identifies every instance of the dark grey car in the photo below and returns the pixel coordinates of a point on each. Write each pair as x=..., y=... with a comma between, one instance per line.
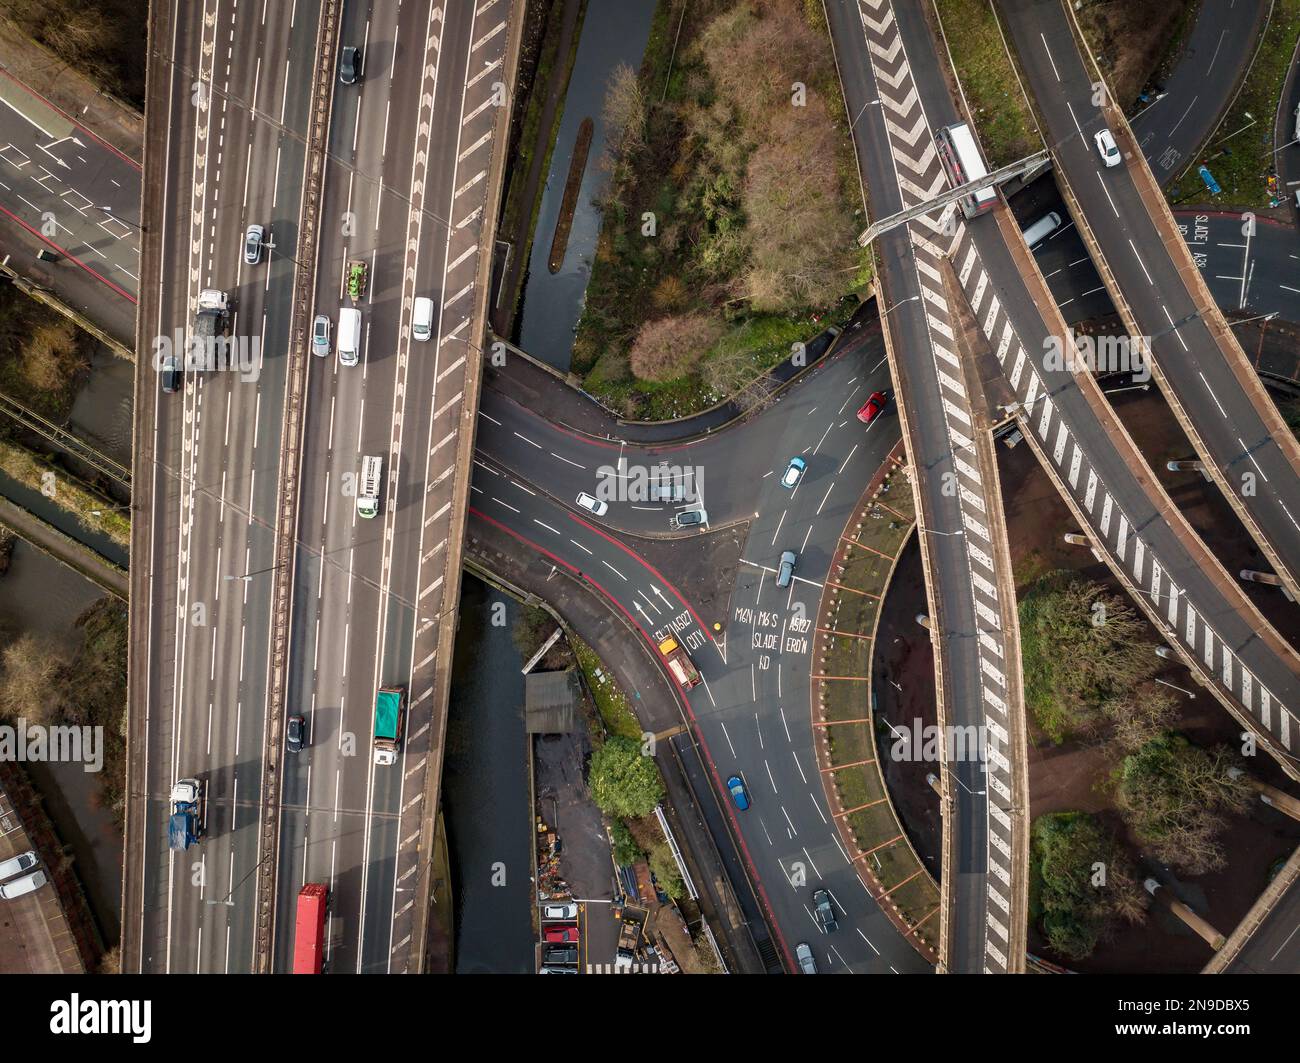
x=350, y=65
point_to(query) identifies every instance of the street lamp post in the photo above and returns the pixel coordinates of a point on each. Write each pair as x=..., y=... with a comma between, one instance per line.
x=248, y=576
x=909, y=299
x=130, y=224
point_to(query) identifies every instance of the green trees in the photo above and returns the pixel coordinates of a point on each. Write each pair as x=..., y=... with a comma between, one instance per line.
x=1177, y=796
x=1081, y=648
x=623, y=781
x=665, y=871
x=1085, y=886
x=732, y=200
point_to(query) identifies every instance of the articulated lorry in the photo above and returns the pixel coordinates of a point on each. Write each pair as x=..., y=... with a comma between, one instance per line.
x=185, y=825
x=309, y=931
x=388, y=724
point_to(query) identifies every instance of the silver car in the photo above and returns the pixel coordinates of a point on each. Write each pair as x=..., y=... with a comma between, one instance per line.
x=253, y=244
x=807, y=962
x=320, y=336
x=786, y=572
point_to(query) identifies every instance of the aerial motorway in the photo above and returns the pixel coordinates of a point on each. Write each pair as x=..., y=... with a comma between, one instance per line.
x=733, y=488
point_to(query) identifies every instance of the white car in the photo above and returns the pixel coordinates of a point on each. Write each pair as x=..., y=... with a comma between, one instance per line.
x=595, y=506
x=1107, y=149
x=560, y=911
x=18, y=865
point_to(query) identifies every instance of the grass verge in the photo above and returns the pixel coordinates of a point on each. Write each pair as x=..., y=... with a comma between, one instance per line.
x=1006, y=129
x=1241, y=150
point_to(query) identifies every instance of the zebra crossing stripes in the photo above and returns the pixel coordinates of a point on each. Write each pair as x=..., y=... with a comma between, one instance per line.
x=1129, y=549
x=610, y=968
x=919, y=176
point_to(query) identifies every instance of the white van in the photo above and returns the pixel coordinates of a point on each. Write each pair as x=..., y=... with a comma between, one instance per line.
x=422, y=319
x=20, y=887
x=371, y=483
x=1042, y=228
x=349, y=338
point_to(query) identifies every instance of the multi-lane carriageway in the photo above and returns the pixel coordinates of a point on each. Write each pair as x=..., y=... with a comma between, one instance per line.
x=752, y=714
x=210, y=463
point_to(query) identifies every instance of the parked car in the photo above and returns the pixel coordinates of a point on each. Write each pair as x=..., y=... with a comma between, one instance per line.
x=558, y=970
x=320, y=336
x=560, y=911
x=253, y=244
x=295, y=734
x=689, y=518
x=171, y=374
x=667, y=491
x=785, y=573
x=736, y=786
x=873, y=407
x=559, y=955
x=20, y=887
x=597, y=507
x=562, y=934
x=350, y=65
x=1107, y=148
x=794, y=473
x=804, y=954
x=18, y=865
x=824, y=908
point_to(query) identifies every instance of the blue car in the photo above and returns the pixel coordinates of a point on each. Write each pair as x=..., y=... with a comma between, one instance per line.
x=793, y=473
x=738, y=792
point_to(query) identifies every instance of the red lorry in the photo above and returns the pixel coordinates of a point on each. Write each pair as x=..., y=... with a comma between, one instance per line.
x=679, y=663
x=309, y=935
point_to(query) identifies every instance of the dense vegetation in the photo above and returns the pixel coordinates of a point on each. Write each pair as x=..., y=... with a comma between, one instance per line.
x=104, y=40
x=1177, y=797
x=45, y=685
x=623, y=781
x=1083, y=652
x=730, y=211
x=1084, y=886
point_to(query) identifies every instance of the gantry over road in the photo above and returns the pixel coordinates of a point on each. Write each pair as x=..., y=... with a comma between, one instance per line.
x=971, y=594
x=1160, y=294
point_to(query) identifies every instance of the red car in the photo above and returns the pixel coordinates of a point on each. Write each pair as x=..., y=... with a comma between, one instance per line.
x=873, y=407
x=562, y=934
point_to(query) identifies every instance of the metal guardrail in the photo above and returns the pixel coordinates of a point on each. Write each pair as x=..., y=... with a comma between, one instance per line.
x=72, y=444
x=286, y=529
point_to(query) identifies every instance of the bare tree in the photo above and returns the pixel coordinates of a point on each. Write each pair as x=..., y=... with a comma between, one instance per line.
x=624, y=114
x=669, y=347
x=33, y=681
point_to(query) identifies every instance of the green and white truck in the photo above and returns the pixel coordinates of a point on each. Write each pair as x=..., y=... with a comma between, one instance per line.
x=388, y=724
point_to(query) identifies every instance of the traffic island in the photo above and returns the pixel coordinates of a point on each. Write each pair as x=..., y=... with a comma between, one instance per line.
x=843, y=708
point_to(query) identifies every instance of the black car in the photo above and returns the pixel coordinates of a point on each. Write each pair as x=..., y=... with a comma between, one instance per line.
x=559, y=955
x=350, y=65
x=171, y=374
x=825, y=910
x=295, y=735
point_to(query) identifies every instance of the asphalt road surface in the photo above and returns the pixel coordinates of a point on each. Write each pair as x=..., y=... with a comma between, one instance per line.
x=751, y=713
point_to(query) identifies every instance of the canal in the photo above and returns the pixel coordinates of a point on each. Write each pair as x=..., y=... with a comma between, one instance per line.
x=485, y=790
x=552, y=302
